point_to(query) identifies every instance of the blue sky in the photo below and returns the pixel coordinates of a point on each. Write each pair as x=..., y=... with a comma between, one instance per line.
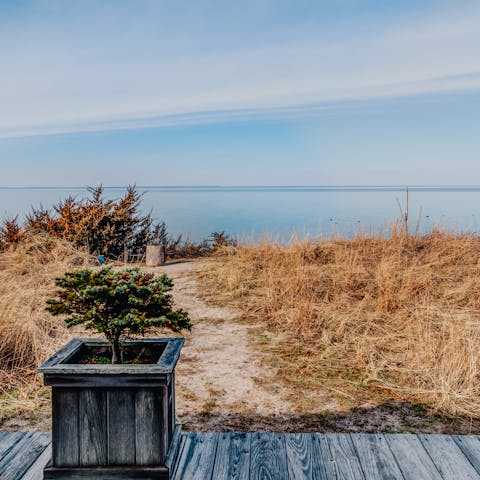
x=239, y=93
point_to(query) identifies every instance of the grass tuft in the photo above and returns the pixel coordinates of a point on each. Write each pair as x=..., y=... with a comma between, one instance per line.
x=28, y=333
x=375, y=316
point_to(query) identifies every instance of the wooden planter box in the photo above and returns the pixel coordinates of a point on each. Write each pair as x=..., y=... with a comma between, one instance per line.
x=112, y=421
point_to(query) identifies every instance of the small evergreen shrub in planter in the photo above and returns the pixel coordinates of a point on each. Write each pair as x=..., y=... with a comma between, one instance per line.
x=113, y=399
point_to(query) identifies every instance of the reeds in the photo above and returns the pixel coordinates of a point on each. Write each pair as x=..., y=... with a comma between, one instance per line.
x=28, y=333
x=398, y=314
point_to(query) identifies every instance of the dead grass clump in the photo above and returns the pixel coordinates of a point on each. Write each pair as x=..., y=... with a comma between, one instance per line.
x=28, y=333
x=397, y=314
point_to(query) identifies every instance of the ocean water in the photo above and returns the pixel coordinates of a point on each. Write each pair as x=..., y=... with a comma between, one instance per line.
x=253, y=212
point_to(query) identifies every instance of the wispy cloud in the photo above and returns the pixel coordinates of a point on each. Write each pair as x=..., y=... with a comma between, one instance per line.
x=106, y=69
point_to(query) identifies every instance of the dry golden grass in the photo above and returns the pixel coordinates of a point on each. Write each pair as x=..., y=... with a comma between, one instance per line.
x=395, y=316
x=28, y=333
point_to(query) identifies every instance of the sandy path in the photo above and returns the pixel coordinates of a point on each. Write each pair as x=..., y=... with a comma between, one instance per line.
x=218, y=374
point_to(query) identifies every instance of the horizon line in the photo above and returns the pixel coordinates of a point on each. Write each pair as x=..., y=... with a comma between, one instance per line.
x=359, y=186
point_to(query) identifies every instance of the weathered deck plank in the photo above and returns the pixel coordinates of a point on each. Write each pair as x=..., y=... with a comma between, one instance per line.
x=268, y=456
x=251, y=456
x=326, y=466
x=197, y=456
x=35, y=472
x=448, y=457
x=23, y=454
x=343, y=453
x=470, y=447
x=8, y=440
x=308, y=457
x=299, y=455
x=233, y=456
x=412, y=458
x=376, y=458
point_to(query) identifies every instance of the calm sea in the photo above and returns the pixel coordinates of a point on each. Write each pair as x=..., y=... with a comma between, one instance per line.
x=279, y=211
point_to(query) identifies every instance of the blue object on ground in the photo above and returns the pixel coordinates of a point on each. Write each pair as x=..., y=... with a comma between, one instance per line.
x=101, y=259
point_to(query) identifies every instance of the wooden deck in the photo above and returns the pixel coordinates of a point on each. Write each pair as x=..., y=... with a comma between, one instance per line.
x=276, y=456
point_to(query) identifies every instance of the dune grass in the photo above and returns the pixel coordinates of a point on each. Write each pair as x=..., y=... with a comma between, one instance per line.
x=28, y=333
x=367, y=319
x=345, y=323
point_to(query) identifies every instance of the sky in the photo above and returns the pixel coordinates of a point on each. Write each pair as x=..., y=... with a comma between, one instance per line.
x=263, y=92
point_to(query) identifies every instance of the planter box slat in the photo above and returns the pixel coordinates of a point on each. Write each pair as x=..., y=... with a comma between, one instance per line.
x=105, y=381
x=150, y=445
x=121, y=427
x=64, y=353
x=171, y=354
x=106, y=473
x=171, y=406
x=92, y=406
x=65, y=436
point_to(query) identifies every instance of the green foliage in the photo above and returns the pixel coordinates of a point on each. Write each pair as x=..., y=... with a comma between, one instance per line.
x=117, y=303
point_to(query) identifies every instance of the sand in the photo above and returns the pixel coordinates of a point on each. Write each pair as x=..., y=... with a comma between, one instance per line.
x=219, y=375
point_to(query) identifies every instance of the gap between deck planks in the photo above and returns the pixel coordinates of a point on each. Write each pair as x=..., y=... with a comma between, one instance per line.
x=274, y=456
